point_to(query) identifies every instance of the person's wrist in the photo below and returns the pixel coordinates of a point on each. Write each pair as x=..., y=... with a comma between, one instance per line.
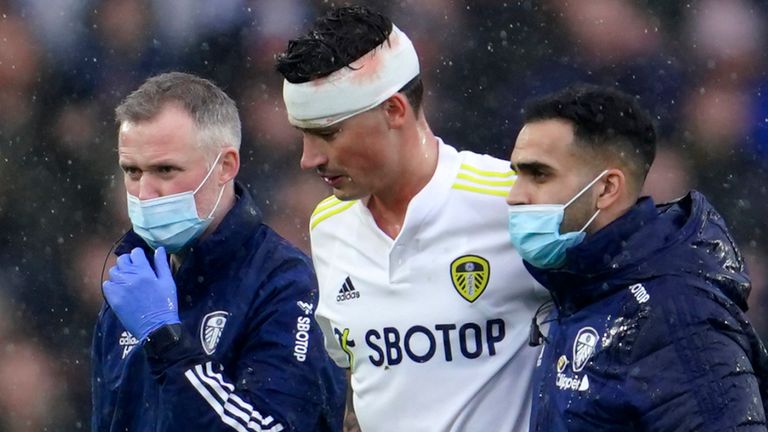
x=162, y=339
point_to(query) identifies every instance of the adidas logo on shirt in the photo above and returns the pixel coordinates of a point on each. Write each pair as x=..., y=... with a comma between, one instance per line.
x=347, y=291
x=127, y=341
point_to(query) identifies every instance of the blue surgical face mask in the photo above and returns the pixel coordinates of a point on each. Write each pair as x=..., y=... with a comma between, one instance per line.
x=170, y=221
x=535, y=231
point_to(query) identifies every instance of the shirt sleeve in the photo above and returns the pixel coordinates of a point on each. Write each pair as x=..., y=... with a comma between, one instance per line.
x=335, y=340
x=274, y=386
x=692, y=368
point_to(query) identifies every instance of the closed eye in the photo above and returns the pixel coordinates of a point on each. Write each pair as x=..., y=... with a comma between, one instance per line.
x=326, y=134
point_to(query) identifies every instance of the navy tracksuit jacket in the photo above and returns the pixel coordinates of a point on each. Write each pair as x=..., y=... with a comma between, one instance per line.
x=649, y=332
x=251, y=356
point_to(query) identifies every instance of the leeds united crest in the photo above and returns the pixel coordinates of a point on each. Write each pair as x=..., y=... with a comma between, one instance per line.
x=584, y=347
x=470, y=274
x=211, y=329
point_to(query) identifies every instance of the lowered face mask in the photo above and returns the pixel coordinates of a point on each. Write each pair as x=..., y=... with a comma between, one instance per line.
x=170, y=221
x=534, y=230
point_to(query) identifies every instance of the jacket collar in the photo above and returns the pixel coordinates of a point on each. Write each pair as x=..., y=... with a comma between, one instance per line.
x=686, y=239
x=591, y=266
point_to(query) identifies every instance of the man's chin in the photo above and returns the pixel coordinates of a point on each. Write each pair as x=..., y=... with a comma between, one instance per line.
x=347, y=195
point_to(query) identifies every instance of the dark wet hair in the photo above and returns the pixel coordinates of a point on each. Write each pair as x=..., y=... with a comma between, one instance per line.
x=604, y=120
x=335, y=40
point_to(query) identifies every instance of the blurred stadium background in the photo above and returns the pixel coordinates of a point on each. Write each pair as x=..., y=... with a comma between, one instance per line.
x=699, y=66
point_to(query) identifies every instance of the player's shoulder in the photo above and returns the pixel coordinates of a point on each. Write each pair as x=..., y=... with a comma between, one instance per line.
x=327, y=212
x=483, y=174
x=485, y=161
x=279, y=253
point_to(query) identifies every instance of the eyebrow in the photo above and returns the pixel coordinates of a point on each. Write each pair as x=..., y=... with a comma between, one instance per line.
x=531, y=167
x=326, y=130
x=318, y=130
x=150, y=167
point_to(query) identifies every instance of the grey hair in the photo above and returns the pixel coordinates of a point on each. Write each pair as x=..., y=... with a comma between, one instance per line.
x=214, y=113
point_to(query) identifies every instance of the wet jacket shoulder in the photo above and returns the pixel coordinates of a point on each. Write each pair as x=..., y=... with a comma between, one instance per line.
x=649, y=331
x=251, y=355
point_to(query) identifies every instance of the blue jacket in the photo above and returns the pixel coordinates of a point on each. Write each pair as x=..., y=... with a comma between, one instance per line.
x=648, y=331
x=251, y=356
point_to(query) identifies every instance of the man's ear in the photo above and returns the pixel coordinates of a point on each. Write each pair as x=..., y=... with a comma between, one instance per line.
x=611, y=189
x=230, y=164
x=396, y=109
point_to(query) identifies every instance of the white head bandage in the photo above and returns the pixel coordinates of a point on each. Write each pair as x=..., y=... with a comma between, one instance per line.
x=358, y=87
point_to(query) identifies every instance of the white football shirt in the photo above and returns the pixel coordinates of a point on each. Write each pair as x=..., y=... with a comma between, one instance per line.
x=433, y=324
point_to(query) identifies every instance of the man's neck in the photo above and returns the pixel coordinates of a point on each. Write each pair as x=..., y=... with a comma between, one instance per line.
x=226, y=204
x=389, y=207
x=610, y=214
x=389, y=218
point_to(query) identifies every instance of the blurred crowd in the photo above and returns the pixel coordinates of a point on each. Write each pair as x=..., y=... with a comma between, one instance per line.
x=699, y=66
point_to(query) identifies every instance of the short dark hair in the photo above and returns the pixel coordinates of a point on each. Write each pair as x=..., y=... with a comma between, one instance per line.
x=604, y=119
x=341, y=36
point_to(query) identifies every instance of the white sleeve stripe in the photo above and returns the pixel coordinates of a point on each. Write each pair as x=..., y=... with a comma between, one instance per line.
x=208, y=374
x=228, y=397
x=244, y=405
x=223, y=395
x=213, y=402
x=235, y=398
x=219, y=378
x=221, y=410
x=217, y=389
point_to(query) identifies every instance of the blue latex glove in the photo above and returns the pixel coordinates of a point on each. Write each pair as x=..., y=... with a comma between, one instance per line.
x=142, y=299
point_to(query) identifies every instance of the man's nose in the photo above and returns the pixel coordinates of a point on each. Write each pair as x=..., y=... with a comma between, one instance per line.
x=517, y=195
x=148, y=188
x=312, y=155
